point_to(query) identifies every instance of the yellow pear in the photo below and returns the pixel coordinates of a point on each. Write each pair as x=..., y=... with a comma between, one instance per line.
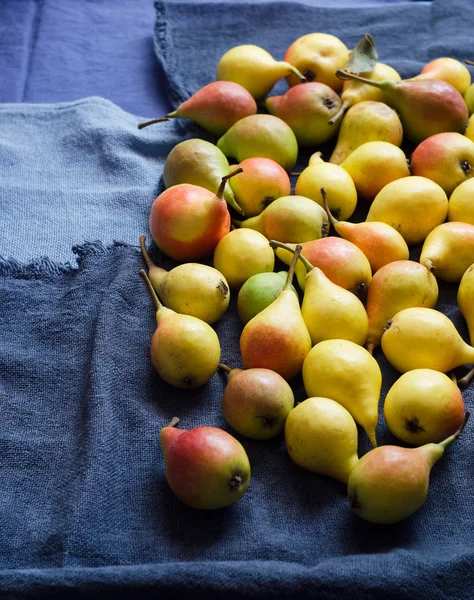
x=348, y=374
x=373, y=165
x=424, y=338
x=366, y=122
x=398, y=285
x=469, y=133
x=335, y=180
x=461, y=203
x=412, y=205
x=449, y=250
x=466, y=306
x=447, y=69
x=321, y=436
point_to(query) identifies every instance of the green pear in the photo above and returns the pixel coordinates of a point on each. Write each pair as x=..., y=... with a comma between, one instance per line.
x=258, y=292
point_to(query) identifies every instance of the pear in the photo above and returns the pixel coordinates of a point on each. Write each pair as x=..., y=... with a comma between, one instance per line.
x=389, y=483
x=261, y=135
x=373, y=165
x=412, y=205
x=200, y=163
x=330, y=311
x=366, y=122
x=277, y=338
x=380, y=243
x=258, y=292
x=449, y=250
x=215, y=107
x=262, y=182
x=307, y=108
x=354, y=91
x=321, y=436
x=290, y=219
x=190, y=289
x=423, y=406
x=187, y=221
x=241, y=254
x=461, y=203
x=465, y=301
x=254, y=69
x=347, y=373
x=425, y=106
x=450, y=70
x=394, y=287
x=341, y=261
x=185, y=351
x=335, y=180
x=256, y=402
x=206, y=468
x=469, y=98
x=318, y=56
x=423, y=338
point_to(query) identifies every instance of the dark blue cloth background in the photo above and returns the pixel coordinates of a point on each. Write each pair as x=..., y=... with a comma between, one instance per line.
x=85, y=511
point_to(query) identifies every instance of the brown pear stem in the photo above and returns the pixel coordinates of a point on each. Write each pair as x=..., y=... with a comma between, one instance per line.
x=295, y=173
x=340, y=113
x=291, y=270
x=220, y=191
x=224, y=367
x=345, y=75
x=294, y=70
x=156, y=300
x=453, y=377
x=174, y=421
x=469, y=62
x=331, y=217
x=466, y=379
x=457, y=433
x=370, y=347
x=303, y=259
x=429, y=265
x=171, y=115
x=146, y=256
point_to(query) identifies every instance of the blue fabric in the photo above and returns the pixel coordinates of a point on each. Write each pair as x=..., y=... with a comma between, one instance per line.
x=85, y=511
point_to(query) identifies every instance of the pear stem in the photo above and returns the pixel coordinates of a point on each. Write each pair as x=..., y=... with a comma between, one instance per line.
x=220, y=191
x=429, y=265
x=174, y=421
x=457, y=433
x=345, y=75
x=169, y=116
x=294, y=70
x=345, y=105
x=370, y=348
x=146, y=279
x=224, y=367
x=303, y=259
x=467, y=378
x=331, y=217
x=146, y=256
x=291, y=270
x=469, y=62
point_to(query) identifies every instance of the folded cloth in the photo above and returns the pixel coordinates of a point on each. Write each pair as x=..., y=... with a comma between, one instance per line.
x=85, y=510
x=76, y=171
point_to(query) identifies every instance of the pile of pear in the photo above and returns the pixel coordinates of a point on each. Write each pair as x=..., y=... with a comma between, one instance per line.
x=234, y=215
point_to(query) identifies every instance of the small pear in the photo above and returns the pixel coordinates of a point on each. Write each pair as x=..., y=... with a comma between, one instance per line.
x=396, y=286
x=366, y=122
x=449, y=250
x=340, y=188
x=380, y=243
x=461, y=203
x=330, y=311
x=262, y=182
x=206, y=468
x=277, y=338
x=241, y=254
x=373, y=165
x=412, y=205
x=253, y=68
x=200, y=163
x=190, y=289
x=215, y=107
x=290, y=219
x=389, y=483
x=256, y=402
x=425, y=106
x=321, y=436
x=447, y=69
x=263, y=136
x=423, y=338
x=354, y=91
x=258, y=292
x=185, y=351
x=307, y=108
x=348, y=374
x=423, y=406
x=341, y=261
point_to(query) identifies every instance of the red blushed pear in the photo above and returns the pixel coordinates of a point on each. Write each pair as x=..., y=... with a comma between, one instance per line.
x=445, y=158
x=277, y=337
x=381, y=243
x=215, y=107
x=448, y=69
x=205, y=467
x=187, y=221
